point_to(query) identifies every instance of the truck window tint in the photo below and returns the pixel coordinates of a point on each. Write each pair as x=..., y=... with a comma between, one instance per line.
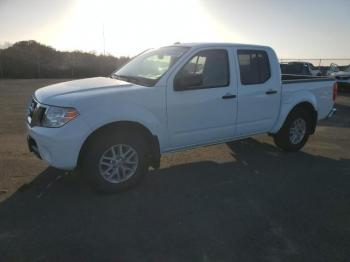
x=254, y=66
x=196, y=65
x=207, y=69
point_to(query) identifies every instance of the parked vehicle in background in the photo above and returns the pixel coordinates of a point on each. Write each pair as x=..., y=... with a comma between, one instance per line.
x=169, y=99
x=341, y=75
x=300, y=68
x=333, y=68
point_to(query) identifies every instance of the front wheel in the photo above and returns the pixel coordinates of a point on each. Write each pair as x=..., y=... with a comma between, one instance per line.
x=114, y=163
x=295, y=132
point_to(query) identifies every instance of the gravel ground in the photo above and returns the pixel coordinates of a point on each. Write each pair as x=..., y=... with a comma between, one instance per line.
x=245, y=201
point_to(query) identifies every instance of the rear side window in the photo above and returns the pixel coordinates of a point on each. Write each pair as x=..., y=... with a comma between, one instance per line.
x=254, y=66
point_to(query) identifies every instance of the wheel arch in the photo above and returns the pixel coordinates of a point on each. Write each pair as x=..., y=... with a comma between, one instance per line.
x=130, y=127
x=305, y=105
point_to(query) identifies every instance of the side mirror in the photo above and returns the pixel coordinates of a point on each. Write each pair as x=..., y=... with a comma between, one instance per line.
x=186, y=81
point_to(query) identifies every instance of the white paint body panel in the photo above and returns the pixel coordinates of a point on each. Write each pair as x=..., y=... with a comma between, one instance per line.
x=178, y=119
x=201, y=116
x=319, y=94
x=257, y=111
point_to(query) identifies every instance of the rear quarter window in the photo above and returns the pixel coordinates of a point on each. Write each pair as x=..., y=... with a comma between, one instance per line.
x=254, y=66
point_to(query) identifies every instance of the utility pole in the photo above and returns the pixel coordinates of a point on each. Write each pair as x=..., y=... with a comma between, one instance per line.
x=1, y=70
x=104, y=40
x=38, y=65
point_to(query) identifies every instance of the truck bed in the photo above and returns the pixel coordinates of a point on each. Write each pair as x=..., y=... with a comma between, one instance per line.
x=317, y=88
x=287, y=78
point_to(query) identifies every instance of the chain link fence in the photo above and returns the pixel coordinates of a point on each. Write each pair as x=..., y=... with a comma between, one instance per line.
x=322, y=62
x=324, y=65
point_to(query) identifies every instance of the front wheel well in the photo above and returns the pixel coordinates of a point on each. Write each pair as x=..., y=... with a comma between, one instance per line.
x=131, y=128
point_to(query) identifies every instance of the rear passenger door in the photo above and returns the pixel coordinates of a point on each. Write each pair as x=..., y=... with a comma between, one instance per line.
x=259, y=89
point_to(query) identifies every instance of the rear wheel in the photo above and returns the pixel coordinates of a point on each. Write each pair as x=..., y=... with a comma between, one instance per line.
x=295, y=132
x=112, y=163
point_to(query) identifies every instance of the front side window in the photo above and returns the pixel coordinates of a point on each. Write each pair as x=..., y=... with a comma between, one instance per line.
x=207, y=69
x=149, y=67
x=254, y=66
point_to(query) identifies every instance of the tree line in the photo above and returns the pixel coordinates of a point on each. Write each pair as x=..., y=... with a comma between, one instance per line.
x=30, y=59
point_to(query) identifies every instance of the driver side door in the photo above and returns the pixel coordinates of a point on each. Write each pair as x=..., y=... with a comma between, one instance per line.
x=201, y=100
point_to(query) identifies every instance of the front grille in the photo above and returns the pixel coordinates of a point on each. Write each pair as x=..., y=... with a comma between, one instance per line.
x=35, y=113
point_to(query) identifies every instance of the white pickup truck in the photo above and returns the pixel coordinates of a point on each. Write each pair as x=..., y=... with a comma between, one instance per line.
x=112, y=129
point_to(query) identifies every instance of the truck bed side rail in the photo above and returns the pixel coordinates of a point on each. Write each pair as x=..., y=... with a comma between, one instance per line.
x=287, y=78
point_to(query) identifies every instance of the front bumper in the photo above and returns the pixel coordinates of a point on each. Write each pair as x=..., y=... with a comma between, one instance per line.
x=32, y=146
x=58, y=147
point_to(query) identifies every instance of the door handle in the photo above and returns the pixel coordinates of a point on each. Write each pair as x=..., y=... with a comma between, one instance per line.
x=229, y=96
x=271, y=92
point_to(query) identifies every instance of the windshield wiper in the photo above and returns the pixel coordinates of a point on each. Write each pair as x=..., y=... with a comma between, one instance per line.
x=126, y=78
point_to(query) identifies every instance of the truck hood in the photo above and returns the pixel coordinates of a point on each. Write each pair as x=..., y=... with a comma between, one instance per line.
x=77, y=86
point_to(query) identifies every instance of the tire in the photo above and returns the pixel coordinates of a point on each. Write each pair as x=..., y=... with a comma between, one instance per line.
x=290, y=140
x=120, y=175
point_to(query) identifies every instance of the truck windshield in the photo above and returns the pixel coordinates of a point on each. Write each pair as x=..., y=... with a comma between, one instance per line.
x=312, y=67
x=148, y=67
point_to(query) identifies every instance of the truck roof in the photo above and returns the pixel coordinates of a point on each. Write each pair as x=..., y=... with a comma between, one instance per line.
x=210, y=44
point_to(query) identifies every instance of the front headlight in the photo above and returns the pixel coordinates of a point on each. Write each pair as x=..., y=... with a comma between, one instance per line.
x=58, y=116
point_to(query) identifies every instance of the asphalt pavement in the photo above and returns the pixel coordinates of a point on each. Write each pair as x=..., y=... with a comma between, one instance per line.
x=242, y=201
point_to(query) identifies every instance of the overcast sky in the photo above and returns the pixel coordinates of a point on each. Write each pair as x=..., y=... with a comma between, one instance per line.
x=295, y=28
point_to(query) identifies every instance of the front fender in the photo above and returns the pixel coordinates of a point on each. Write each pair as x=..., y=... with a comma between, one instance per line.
x=289, y=103
x=131, y=112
